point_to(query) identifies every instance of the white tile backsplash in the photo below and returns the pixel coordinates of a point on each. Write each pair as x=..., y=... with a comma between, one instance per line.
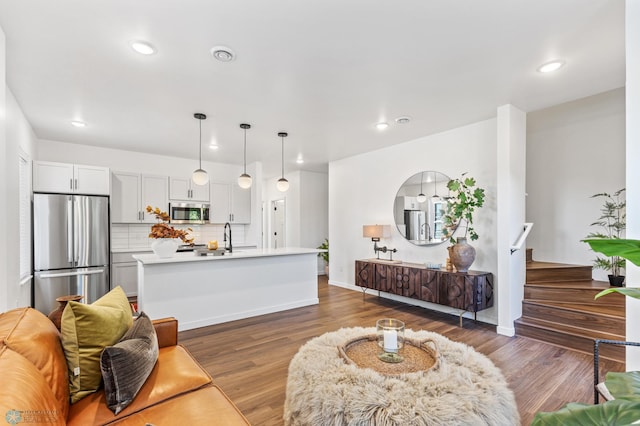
x=136, y=236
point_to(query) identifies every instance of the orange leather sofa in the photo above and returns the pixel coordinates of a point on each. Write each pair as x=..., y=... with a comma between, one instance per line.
x=34, y=382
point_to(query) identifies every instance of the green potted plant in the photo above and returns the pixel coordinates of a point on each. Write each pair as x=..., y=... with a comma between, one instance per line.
x=325, y=255
x=611, y=225
x=465, y=198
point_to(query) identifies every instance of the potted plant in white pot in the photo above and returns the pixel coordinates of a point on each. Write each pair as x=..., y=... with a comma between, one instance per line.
x=465, y=198
x=167, y=238
x=325, y=255
x=611, y=225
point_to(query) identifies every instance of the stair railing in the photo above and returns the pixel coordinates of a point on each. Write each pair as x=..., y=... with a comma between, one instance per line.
x=521, y=239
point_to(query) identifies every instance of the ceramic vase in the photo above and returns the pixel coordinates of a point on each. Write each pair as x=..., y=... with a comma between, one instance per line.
x=616, y=280
x=56, y=315
x=462, y=254
x=165, y=247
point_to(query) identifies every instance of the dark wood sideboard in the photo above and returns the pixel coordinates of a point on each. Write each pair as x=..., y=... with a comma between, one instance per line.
x=469, y=291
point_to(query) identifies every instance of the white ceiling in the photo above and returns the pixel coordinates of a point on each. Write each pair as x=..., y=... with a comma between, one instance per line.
x=324, y=70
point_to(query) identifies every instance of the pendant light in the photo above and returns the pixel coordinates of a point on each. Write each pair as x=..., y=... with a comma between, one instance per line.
x=421, y=198
x=435, y=196
x=244, y=180
x=200, y=176
x=282, y=184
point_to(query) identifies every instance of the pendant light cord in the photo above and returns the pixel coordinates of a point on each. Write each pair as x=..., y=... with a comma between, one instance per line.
x=200, y=151
x=282, y=137
x=421, y=179
x=245, y=151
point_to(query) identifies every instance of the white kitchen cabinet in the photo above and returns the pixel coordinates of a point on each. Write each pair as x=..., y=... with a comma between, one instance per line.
x=69, y=178
x=131, y=193
x=124, y=272
x=183, y=189
x=230, y=203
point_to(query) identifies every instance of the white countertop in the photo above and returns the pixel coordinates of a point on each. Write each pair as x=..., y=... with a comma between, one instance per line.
x=148, y=249
x=148, y=259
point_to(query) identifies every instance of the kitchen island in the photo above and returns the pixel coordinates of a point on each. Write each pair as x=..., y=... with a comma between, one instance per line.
x=206, y=290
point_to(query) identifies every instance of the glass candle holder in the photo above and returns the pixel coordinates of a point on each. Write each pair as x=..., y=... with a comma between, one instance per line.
x=390, y=339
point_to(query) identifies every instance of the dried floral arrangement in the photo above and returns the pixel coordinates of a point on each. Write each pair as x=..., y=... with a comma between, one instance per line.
x=163, y=230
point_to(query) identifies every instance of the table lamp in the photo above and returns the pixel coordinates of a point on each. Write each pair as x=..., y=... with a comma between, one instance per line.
x=375, y=232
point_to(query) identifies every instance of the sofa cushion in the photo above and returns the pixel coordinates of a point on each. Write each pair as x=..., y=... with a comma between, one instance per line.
x=25, y=395
x=86, y=330
x=206, y=406
x=31, y=334
x=126, y=365
x=175, y=373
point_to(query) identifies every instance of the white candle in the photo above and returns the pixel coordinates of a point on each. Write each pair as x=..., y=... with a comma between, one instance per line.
x=390, y=340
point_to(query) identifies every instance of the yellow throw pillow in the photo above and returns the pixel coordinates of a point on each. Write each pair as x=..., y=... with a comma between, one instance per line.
x=85, y=331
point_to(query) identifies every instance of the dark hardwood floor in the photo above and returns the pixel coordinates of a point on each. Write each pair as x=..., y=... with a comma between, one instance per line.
x=249, y=358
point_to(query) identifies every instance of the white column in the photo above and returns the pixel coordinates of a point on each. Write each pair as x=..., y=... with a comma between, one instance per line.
x=511, y=174
x=6, y=283
x=633, y=171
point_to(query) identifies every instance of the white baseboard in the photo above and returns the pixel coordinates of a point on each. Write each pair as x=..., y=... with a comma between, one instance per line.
x=506, y=331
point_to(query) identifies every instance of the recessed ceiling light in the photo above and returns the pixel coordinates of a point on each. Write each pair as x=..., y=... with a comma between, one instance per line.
x=382, y=126
x=213, y=147
x=223, y=53
x=77, y=123
x=300, y=160
x=142, y=47
x=403, y=120
x=551, y=66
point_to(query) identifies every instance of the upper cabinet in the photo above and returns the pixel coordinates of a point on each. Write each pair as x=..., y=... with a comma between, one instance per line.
x=230, y=203
x=70, y=178
x=184, y=189
x=131, y=193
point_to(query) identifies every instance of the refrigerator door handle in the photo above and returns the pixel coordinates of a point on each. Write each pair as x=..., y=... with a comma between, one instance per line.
x=71, y=274
x=69, y=231
x=76, y=249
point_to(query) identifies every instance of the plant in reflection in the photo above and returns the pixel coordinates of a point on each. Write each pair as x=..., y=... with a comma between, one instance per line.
x=465, y=198
x=162, y=229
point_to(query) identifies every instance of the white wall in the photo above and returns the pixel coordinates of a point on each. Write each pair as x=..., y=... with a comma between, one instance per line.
x=15, y=135
x=574, y=150
x=306, y=209
x=633, y=171
x=362, y=190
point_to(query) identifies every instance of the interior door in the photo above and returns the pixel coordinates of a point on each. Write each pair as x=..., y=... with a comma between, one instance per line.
x=278, y=224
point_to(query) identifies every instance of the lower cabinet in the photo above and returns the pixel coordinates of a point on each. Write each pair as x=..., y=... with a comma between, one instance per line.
x=471, y=291
x=124, y=272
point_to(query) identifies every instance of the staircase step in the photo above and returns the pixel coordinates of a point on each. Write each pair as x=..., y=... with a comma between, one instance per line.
x=582, y=292
x=600, y=318
x=569, y=337
x=529, y=255
x=555, y=272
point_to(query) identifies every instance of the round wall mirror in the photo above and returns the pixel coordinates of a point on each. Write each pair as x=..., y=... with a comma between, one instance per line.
x=419, y=208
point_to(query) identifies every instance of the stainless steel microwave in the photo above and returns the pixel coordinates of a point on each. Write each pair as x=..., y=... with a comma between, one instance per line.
x=189, y=213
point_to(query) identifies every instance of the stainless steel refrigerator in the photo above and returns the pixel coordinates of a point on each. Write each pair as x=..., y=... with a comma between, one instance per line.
x=71, y=248
x=416, y=225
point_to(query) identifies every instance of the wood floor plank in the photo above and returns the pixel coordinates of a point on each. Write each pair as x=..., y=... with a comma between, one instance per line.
x=249, y=359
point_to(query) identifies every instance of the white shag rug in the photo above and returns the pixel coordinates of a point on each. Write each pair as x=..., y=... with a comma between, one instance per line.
x=465, y=388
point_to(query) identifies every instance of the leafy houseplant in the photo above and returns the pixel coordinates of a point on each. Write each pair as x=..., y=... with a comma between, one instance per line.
x=324, y=255
x=624, y=248
x=611, y=224
x=461, y=206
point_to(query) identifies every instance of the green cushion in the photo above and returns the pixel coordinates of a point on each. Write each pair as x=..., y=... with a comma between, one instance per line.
x=85, y=331
x=126, y=365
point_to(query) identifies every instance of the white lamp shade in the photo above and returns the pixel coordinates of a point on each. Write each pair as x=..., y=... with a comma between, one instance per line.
x=375, y=231
x=200, y=177
x=282, y=185
x=244, y=181
x=421, y=198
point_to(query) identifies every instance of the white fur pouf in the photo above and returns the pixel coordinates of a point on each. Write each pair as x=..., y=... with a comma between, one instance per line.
x=464, y=389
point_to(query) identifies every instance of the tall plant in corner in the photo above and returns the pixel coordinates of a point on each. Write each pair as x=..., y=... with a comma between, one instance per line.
x=611, y=225
x=465, y=198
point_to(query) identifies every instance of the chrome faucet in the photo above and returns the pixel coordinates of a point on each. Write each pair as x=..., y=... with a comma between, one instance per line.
x=230, y=248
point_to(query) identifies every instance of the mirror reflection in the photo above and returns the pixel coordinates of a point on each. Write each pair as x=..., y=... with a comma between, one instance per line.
x=420, y=206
